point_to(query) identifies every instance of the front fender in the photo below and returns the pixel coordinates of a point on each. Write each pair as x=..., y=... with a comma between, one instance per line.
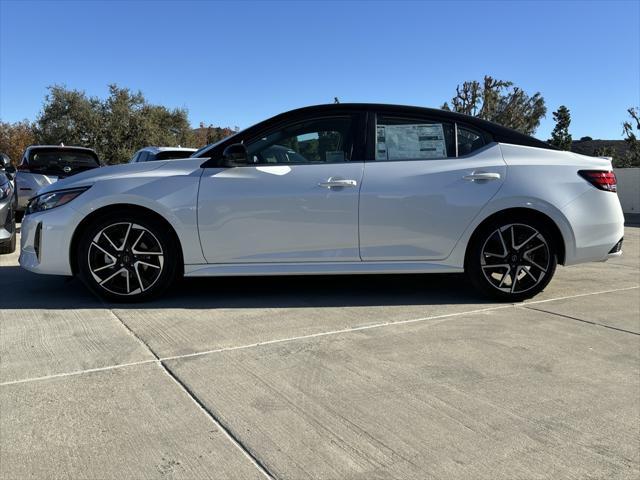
x=173, y=198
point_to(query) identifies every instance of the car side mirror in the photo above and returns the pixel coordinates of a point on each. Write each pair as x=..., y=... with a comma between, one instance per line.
x=235, y=155
x=10, y=170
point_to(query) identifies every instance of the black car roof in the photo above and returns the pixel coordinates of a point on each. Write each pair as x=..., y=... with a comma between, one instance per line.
x=498, y=132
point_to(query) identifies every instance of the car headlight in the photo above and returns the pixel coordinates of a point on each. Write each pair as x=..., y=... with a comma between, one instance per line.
x=50, y=200
x=5, y=190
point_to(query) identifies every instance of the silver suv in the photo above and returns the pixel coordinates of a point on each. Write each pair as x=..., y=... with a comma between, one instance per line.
x=43, y=165
x=149, y=154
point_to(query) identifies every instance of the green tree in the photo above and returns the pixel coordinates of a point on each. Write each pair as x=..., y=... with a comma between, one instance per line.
x=560, y=136
x=632, y=157
x=115, y=127
x=501, y=102
x=70, y=117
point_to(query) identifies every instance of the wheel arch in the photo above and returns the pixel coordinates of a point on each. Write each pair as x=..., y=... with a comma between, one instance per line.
x=518, y=213
x=129, y=208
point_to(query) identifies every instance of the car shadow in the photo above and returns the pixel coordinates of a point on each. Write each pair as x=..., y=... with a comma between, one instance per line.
x=25, y=290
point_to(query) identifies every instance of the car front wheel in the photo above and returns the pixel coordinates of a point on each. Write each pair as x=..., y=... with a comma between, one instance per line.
x=512, y=260
x=127, y=258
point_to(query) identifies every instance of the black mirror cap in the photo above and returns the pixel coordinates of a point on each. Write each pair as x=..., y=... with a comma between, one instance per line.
x=10, y=169
x=235, y=155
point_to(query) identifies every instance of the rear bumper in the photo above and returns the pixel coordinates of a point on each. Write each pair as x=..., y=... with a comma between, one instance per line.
x=598, y=227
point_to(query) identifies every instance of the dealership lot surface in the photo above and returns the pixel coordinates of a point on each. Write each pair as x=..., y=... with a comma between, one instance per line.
x=330, y=377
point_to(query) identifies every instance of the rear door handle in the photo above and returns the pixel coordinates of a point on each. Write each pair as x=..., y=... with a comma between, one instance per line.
x=482, y=176
x=338, y=182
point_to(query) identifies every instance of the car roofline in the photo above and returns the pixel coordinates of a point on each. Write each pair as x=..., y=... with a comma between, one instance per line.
x=499, y=133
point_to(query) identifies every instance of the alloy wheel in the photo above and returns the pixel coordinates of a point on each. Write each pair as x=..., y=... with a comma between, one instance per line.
x=125, y=258
x=515, y=258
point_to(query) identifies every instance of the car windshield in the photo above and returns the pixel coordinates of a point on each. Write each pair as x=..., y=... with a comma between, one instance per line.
x=172, y=154
x=61, y=162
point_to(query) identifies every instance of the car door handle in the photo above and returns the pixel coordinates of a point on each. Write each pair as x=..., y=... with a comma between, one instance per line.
x=482, y=176
x=338, y=182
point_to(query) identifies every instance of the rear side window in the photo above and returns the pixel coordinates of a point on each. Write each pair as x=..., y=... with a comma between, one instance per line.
x=61, y=162
x=468, y=141
x=413, y=139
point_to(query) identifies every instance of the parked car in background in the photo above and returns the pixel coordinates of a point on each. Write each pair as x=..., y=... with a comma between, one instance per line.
x=151, y=154
x=5, y=161
x=42, y=165
x=7, y=206
x=367, y=189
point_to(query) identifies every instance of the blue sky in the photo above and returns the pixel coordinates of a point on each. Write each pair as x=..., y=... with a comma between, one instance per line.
x=239, y=62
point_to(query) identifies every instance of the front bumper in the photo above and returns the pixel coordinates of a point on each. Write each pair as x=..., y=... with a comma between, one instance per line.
x=46, y=239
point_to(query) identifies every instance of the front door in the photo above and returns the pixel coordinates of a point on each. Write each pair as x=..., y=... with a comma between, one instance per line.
x=296, y=201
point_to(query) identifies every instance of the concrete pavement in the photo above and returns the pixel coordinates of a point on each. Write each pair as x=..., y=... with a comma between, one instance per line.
x=329, y=377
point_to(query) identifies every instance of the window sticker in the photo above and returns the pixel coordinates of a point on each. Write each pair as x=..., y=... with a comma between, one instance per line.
x=410, y=142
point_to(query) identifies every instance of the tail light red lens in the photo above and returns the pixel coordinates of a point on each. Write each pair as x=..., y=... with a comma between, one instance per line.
x=601, y=179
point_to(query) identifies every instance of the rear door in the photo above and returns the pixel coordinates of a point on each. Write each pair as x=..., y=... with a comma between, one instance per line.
x=427, y=180
x=296, y=202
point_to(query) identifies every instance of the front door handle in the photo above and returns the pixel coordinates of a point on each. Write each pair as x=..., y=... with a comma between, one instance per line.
x=482, y=176
x=338, y=182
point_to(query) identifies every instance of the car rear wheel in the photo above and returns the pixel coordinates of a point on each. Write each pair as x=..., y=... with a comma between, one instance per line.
x=512, y=260
x=127, y=258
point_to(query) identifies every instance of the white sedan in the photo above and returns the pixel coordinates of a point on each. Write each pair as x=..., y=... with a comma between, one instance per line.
x=333, y=189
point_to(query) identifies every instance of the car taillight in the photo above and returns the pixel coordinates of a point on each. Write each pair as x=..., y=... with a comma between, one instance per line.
x=601, y=179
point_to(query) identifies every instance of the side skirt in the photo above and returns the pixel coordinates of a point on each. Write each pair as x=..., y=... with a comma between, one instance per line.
x=315, y=268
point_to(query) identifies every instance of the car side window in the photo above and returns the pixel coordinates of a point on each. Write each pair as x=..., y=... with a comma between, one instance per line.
x=324, y=140
x=402, y=138
x=468, y=141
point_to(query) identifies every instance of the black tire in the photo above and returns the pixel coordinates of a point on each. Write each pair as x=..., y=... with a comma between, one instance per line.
x=493, y=261
x=111, y=267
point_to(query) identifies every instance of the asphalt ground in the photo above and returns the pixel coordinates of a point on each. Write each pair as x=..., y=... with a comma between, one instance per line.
x=362, y=377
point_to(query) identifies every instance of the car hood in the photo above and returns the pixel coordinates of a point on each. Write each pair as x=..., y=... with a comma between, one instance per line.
x=125, y=170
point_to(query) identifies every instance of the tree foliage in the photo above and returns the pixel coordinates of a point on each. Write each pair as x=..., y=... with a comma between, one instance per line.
x=206, y=134
x=15, y=138
x=116, y=126
x=501, y=102
x=629, y=127
x=560, y=136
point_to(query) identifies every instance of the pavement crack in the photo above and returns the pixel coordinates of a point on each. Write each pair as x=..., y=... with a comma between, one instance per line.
x=216, y=421
x=590, y=322
x=220, y=424
x=135, y=335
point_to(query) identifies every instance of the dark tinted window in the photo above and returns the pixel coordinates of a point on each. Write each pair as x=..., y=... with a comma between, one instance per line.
x=61, y=162
x=171, y=154
x=468, y=141
x=326, y=140
x=401, y=138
